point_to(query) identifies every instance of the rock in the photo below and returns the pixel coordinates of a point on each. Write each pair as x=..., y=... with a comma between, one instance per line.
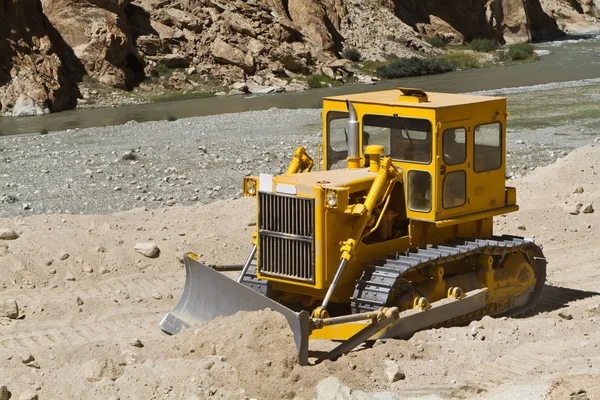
x=588, y=209
x=522, y=228
x=9, y=309
x=574, y=209
x=224, y=53
x=69, y=276
x=174, y=61
x=4, y=394
x=27, y=358
x=34, y=79
x=28, y=395
x=578, y=190
x=33, y=364
x=63, y=256
x=572, y=229
x=136, y=343
x=393, y=372
x=149, y=250
x=240, y=86
x=8, y=234
x=520, y=141
x=257, y=89
x=26, y=206
x=87, y=269
x=98, y=369
x=79, y=301
x=99, y=37
x=566, y=316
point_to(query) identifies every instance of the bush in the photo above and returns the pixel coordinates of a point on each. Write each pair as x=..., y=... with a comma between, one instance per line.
x=352, y=54
x=44, y=131
x=436, y=41
x=314, y=81
x=172, y=118
x=463, y=61
x=520, y=51
x=483, y=45
x=413, y=66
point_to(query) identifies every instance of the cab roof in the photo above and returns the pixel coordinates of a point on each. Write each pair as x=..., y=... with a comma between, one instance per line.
x=413, y=98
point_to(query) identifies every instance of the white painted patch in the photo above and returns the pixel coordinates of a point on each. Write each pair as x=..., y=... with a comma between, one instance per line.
x=285, y=188
x=265, y=183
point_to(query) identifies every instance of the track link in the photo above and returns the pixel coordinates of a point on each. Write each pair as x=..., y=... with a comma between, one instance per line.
x=381, y=280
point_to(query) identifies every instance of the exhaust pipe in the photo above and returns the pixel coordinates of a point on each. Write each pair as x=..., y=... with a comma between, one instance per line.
x=353, y=142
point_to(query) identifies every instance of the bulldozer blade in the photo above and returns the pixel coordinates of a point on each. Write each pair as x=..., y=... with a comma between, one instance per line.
x=208, y=294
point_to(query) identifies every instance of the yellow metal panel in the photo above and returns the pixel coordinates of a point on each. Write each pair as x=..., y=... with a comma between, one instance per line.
x=392, y=98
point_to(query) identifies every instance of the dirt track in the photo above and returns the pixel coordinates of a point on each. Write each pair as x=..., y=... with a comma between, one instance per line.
x=83, y=347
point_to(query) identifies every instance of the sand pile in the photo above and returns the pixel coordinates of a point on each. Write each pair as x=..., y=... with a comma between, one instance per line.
x=89, y=321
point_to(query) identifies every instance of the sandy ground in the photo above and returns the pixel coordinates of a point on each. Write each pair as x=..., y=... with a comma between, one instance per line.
x=85, y=296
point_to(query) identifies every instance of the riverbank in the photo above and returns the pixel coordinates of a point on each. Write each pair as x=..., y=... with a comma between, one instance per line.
x=455, y=58
x=573, y=62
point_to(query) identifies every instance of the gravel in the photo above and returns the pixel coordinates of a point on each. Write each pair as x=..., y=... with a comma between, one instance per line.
x=189, y=161
x=155, y=164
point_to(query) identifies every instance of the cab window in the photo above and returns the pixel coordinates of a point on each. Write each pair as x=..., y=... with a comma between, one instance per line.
x=419, y=191
x=403, y=139
x=454, y=146
x=337, y=139
x=454, y=189
x=487, y=152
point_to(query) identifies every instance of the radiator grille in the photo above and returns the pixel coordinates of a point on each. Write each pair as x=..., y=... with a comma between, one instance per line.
x=286, y=237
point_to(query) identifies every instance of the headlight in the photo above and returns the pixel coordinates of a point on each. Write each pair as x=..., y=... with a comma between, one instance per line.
x=249, y=187
x=331, y=199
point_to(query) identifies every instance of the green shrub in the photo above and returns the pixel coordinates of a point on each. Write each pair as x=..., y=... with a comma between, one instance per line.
x=314, y=81
x=483, y=45
x=520, y=51
x=44, y=131
x=352, y=54
x=413, y=66
x=163, y=70
x=172, y=118
x=462, y=61
x=436, y=41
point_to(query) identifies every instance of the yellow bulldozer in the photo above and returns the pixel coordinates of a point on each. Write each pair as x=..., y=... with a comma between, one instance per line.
x=392, y=235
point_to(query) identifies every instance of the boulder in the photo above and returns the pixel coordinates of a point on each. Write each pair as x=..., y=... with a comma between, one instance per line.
x=4, y=393
x=238, y=23
x=98, y=369
x=33, y=77
x=149, y=250
x=28, y=395
x=310, y=15
x=225, y=53
x=8, y=234
x=393, y=373
x=174, y=61
x=98, y=34
x=9, y=309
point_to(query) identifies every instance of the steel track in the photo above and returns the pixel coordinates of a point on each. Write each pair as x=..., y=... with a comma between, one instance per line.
x=380, y=282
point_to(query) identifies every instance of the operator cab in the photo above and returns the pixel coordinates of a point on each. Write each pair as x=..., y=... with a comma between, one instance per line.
x=450, y=147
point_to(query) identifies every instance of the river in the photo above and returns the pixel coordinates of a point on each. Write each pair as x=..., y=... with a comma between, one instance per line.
x=573, y=62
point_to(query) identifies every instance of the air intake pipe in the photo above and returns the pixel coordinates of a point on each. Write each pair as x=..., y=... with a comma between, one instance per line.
x=353, y=142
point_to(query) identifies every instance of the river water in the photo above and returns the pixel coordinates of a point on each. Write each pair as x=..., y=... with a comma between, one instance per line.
x=573, y=63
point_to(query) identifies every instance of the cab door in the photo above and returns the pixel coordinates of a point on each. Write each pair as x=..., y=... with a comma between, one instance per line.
x=454, y=163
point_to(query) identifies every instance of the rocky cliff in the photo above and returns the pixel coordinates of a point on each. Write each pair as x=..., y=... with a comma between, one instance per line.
x=241, y=45
x=33, y=78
